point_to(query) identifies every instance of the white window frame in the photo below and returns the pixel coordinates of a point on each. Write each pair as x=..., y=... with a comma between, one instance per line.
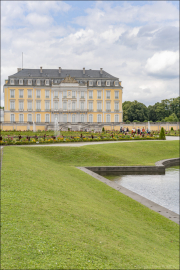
x=108, y=118
x=116, y=118
x=99, y=118
x=108, y=83
x=108, y=94
x=38, y=93
x=47, y=105
x=55, y=105
x=29, y=93
x=12, y=105
x=46, y=93
x=38, y=105
x=73, y=94
x=21, y=93
x=29, y=81
x=116, y=106
x=64, y=94
x=82, y=105
x=47, y=118
x=99, y=105
x=90, y=118
x=108, y=105
x=21, y=105
x=99, y=83
x=20, y=81
x=12, y=81
x=116, y=83
x=116, y=94
x=29, y=117
x=90, y=105
x=73, y=118
x=29, y=105
x=82, y=94
x=64, y=105
x=12, y=118
x=21, y=115
x=55, y=94
x=90, y=94
x=82, y=117
x=12, y=93
x=47, y=82
x=91, y=83
x=73, y=105
x=99, y=94
x=38, y=81
x=38, y=115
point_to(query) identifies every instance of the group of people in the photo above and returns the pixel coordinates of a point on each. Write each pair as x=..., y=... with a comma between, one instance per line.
x=134, y=131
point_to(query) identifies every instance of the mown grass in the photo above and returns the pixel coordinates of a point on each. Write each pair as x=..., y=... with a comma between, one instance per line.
x=55, y=216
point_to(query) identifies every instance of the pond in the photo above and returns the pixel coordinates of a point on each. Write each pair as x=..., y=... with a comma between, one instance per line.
x=161, y=189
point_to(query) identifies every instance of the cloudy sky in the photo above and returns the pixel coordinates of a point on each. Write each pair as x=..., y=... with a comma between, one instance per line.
x=137, y=41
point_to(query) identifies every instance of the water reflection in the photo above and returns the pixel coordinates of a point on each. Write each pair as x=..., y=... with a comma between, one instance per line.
x=161, y=189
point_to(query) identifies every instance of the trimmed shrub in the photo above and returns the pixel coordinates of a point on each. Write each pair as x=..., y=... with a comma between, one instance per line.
x=172, y=128
x=162, y=135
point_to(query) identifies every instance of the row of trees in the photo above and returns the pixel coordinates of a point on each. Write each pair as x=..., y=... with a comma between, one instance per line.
x=168, y=110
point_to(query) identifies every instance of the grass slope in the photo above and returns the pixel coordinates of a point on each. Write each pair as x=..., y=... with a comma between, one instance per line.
x=56, y=216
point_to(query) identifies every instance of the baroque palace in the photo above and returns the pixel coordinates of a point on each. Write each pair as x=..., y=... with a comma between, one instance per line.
x=75, y=99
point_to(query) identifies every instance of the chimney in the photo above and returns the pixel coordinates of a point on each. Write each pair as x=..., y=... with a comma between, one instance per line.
x=40, y=69
x=83, y=70
x=18, y=69
x=59, y=70
x=101, y=72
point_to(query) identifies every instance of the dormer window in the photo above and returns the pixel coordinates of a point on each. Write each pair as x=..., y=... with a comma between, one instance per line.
x=90, y=83
x=11, y=81
x=29, y=82
x=21, y=81
x=38, y=82
x=107, y=83
x=46, y=82
x=116, y=83
x=99, y=83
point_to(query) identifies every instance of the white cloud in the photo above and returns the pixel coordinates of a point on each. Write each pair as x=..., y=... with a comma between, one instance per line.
x=163, y=63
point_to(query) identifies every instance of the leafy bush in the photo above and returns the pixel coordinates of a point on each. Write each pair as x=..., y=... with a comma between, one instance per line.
x=128, y=122
x=103, y=129
x=172, y=128
x=162, y=134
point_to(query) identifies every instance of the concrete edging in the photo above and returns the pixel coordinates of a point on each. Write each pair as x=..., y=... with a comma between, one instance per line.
x=148, y=203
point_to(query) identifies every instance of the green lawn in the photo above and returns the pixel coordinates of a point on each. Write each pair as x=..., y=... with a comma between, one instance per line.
x=56, y=216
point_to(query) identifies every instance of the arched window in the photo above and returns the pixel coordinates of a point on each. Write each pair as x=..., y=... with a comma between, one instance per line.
x=64, y=117
x=108, y=118
x=73, y=118
x=99, y=118
x=91, y=118
x=82, y=117
x=116, y=118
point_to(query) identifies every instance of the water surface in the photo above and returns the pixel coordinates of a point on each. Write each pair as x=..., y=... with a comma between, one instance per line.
x=161, y=189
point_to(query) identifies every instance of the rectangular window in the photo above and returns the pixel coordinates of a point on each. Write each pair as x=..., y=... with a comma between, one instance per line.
x=56, y=105
x=12, y=105
x=73, y=105
x=29, y=82
x=12, y=93
x=116, y=118
x=64, y=94
x=90, y=94
x=29, y=117
x=38, y=105
x=38, y=82
x=38, y=93
x=21, y=93
x=56, y=94
x=12, y=81
x=107, y=83
x=90, y=83
x=38, y=118
x=21, y=117
x=46, y=105
x=73, y=94
x=12, y=118
x=108, y=118
x=21, y=82
x=82, y=94
x=107, y=106
x=99, y=94
x=47, y=93
x=29, y=93
x=99, y=118
x=99, y=83
x=47, y=118
x=108, y=94
x=116, y=106
x=91, y=106
x=99, y=106
x=90, y=118
x=29, y=105
x=64, y=105
x=46, y=82
x=116, y=94
x=82, y=105
x=21, y=105
x=116, y=83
